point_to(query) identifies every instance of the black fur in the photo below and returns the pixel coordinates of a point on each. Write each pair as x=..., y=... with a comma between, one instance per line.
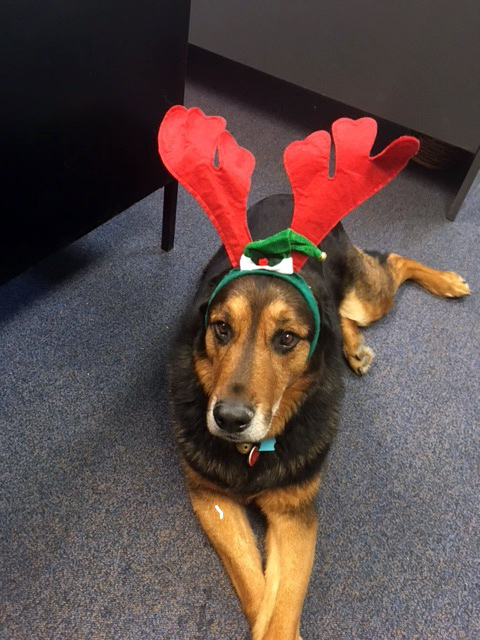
x=381, y=257
x=301, y=449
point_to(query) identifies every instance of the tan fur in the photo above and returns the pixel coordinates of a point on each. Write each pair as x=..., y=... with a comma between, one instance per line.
x=361, y=311
x=290, y=552
x=291, y=399
x=273, y=600
x=289, y=499
x=236, y=312
x=273, y=378
x=446, y=284
x=357, y=354
x=372, y=296
x=204, y=371
x=225, y=522
x=278, y=313
x=290, y=545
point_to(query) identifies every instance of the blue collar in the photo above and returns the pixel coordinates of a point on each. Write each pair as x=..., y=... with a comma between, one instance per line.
x=253, y=451
x=267, y=445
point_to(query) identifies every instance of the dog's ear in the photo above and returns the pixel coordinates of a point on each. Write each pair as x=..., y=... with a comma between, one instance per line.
x=207, y=285
x=202, y=309
x=329, y=339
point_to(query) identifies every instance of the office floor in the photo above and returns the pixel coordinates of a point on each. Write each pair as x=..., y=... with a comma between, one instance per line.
x=98, y=537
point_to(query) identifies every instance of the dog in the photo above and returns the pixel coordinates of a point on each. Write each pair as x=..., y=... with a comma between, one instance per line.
x=245, y=374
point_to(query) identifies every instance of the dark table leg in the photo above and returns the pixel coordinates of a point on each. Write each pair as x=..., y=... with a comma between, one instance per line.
x=465, y=188
x=170, y=192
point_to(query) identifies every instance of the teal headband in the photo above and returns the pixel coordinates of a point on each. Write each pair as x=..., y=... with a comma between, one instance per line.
x=293, y=278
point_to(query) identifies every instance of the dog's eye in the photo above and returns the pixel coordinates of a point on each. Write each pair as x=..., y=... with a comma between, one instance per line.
x=222, y=331
x=285, y=341
x=288, y=339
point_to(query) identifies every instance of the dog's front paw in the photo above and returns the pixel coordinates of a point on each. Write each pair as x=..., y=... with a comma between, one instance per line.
x=360, y=361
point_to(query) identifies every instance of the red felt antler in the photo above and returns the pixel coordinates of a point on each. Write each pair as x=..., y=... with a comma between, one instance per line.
x=187, y=143
x=321, y=201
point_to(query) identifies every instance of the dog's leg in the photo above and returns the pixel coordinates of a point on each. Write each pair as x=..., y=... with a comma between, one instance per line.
x=291, y=534
x=225, y=523
x=356, y=352
x=447, y=284
x=368, y=298
x=371, y=296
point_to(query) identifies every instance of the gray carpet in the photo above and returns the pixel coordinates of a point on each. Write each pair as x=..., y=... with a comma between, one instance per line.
x=98, y=537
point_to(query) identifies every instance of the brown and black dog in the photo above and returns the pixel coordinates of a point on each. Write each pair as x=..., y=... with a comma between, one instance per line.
x=243, y=376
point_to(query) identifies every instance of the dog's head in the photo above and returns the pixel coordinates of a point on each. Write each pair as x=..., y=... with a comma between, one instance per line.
x=252, y=357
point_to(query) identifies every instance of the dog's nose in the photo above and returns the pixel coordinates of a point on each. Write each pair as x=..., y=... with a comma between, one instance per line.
x=233, y=417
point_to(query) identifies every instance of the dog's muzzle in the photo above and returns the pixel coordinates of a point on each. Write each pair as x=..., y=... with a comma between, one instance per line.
x=237, y=421
x=232, y=417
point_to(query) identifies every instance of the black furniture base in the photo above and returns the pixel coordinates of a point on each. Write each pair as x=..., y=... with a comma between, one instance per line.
x=170, y=193
x=84, y=88
x=465, y=187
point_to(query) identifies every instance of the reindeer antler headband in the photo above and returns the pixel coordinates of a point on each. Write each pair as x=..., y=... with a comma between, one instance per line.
x=188, y=141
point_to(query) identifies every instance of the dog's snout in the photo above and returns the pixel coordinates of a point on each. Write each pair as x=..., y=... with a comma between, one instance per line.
x=233, y=417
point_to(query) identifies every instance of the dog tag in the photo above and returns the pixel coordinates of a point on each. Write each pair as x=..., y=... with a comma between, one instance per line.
x=244, y=447
x=253, y=456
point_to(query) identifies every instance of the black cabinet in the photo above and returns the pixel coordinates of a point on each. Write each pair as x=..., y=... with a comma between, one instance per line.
x=84, y=88
x=415, y=63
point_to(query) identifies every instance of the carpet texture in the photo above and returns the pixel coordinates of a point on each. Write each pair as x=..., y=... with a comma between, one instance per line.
x=98, y=536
